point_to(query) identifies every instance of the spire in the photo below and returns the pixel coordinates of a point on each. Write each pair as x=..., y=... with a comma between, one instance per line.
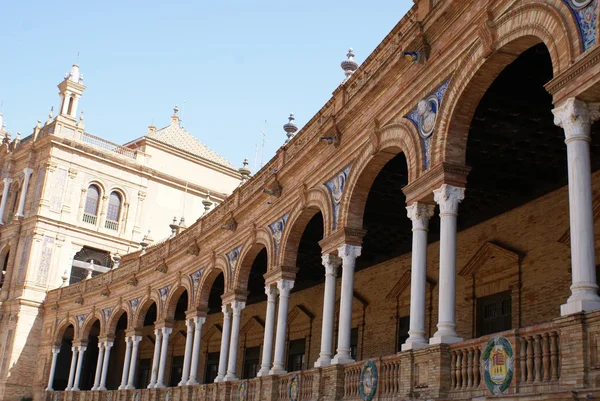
x=70, y=90
x=349, y=65
x=175, y=117
x=290, y=128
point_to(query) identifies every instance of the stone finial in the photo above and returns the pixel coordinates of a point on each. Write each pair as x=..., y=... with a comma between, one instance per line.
x=146, y=241
x=207, y=203
x=349, y=65
x=245, y=171
x=50, y=115
x=290, y=128
x=175, y=117
x=174, y=226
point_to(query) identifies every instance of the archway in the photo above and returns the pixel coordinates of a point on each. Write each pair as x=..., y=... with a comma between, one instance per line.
x=90, y=357
x=176, y=349
x=117, y=354
x=148, y=315
x=212, y=299
x=63, y=361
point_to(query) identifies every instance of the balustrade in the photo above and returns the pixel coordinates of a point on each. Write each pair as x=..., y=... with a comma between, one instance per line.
x=539, y=357
x=352, y=380
x=464, y=366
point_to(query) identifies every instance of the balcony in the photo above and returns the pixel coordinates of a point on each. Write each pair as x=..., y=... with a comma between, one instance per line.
x=89, y=218
x=111, y=225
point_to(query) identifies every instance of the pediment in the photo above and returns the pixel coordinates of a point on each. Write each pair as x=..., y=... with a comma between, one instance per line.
x=298, y=312
x=487, y=251
x=254, y=322
x=215, y=329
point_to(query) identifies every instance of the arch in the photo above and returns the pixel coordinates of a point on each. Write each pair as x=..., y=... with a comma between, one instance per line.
x=297, y=224
x=114, y=206
x=207, y=281
x=92, y=200
x=250, y=250
x=89, y=322
x=145, y=303
x=396, y=138
x=62, y=328
x=4, y=260
x=173, y=298
x=516, y=31
x=111, y=324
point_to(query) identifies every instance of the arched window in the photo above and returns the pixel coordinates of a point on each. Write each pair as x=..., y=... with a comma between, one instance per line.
x=114, y=210
x=70, y=108
x=90, y=212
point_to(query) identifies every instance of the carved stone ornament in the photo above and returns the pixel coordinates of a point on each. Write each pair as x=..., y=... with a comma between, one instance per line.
x=105, y=292
x=162, y=268
x=79, y=300
x=133, y=281
x=448, y=197
x=420, y=213
x=193, y=249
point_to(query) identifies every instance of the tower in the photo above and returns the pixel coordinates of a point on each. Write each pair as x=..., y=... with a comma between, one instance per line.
x=70, y=90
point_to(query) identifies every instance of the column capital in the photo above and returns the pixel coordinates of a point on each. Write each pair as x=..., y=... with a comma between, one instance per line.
x=448, y=197
x=331, y=263
x=55, y=350
x=346, y=251
x=573, y=115
x=284, y=287
x=226, y=310
x=108, y=344
x=7, y=180
x=166, y=330
x=189, y=324
x=271, y=292
x=420, y=213
x=199, y=321
x=27, y=171
x=237, y=306
x=136, y=339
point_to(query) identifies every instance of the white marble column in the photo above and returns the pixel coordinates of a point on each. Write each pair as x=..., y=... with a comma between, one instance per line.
x=198, y=322
x=107, y=347
x=267, y=350
x=81, y=350
x=156, y=357
x=160, y=381
x=74, y=353
x=224, y=343
x=7, y=182
x=55, y=352
x=331, y=264
x=126, y=363
x=236, y=307
x=189, y=340
x=284, y=287
x=99, y=366
x=576, y=118
x=348, y=253
x=447, y=197
x=134, y=357
x=420, y=214
x=27, y=172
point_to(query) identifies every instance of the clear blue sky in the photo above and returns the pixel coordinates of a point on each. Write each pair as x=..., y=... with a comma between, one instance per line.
x=234, y=63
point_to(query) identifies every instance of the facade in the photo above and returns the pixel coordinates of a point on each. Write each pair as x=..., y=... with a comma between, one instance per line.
x=428, y=234
x=73, y=203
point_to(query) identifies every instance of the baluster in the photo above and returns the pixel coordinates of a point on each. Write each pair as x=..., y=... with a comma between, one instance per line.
x=397, y=381
x=546, y=356
x=346, y=382
x=386, y=378
x=470, y=368
x=530, y=373
x=538, y=358
x=523, y=359
x=458, y=370
x=554, y=355
x=465, y=362
x=453, y=371
x=476, y=373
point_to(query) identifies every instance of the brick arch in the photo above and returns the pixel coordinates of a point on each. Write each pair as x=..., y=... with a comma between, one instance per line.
x=62, y=328
x=517, y=31
x=86, y=327
x=395, y=138
x=144, y=305
x=206, y=282
x=173, y=297
x=111, y=324
x=249, y=252
x=296, y=225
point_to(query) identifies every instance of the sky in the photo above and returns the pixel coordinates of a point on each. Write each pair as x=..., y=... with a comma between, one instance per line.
x=234, y=68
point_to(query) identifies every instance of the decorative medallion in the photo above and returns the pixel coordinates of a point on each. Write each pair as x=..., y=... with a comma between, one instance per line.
x=498, y=364
x=242, y=391
x=424, y=117
x=277, y=231
x=80, y=319
x=336, y=189
x=164, y=292
x=232, y=258
x=586, y=17
x=136, y=396
x=109, y=396
x=196, y=278
x=294, y=388
x=168, y=394
x=134, y=303
x=367, y=386
x=106, y=313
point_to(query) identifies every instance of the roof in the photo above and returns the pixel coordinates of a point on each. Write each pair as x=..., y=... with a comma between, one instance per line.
x=176, y=136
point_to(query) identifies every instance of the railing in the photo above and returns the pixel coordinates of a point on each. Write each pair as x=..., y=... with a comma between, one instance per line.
x=464, y=367
x=107, y=145
x=352, y=380
x=389, y=376
x=111, y=225
x=89, y=218
x=539, y=356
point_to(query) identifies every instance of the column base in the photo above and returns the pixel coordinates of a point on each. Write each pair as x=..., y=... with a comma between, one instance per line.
x=342, y=359
x=263, y=372
x=230, y=378
x=323, y=361
x=48, y=389
x=103, y=388
x=219, y=379
x=277, y=371
x=94, y=388
x=122, y=387
x=192, y=382
x=444, y=339
x=159, y=385
x=150, y=385
x=129, y=387
x=578, y=305
x=75, y=389
x=414, y=345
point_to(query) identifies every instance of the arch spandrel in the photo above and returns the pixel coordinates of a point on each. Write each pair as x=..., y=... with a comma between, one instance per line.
x=252, y=247
x=111, y=324
x=394, y=138
x=206, y=282
x=62, y=327
x=517, y=31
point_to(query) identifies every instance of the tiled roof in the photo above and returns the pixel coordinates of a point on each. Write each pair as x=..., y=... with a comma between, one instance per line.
x=174, y=135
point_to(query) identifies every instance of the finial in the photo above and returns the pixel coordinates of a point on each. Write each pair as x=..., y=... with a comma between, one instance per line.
x=245, y=171
x=173, y=226
x=64, y=278
x=81, y=115
x=182, y=223
x=349, y=65
x=50, y=115
x=207, y=203
x=18, y=138
x=175, y=109
x=290, y=128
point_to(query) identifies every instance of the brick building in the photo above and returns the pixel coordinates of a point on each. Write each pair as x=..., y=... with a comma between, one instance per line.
x=428, y=234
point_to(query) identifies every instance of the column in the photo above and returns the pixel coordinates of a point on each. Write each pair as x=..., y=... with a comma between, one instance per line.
x=156, y=357
x=224, y=343
x=576, y=118
x=55, y=352
x=99, y=366
x=284, y=287
x=7, y=182
x=420, y=214
x=447, y=197
x=107, y=346
x=160, y=381
x=189, y=338
x=81, y=350
x=331, y=264
x=348, y=253
x=72, y=370
x=236, y=307
x=267, y=350
x=27, y=172
x=134, y=357
x=126, y=362
x=198, y=322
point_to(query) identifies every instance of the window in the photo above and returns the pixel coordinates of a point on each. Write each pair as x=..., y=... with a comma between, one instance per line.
x=70, y=108
x=494, y=313
x=212, y=367
x=296, y=351
x=90, y=211
x=354, y=342
x=144, y=373
x=251, y=362
x=4, y=266
x=176, y=371
x=114, y=209
x=403, y=326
